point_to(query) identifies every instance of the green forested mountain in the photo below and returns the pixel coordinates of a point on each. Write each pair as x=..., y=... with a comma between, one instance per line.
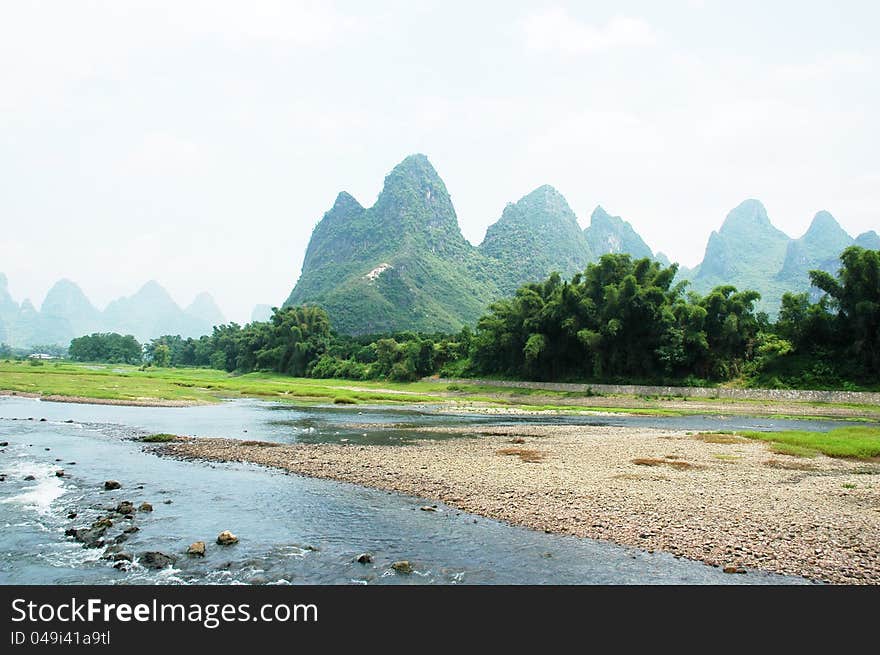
x=535, y=236
x=611, y=235
x=818, y=249
x=747, y=252
x=400, y=264
x=403, y=263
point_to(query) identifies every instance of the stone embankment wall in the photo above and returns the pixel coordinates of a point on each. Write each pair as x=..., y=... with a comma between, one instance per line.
x=797, y=395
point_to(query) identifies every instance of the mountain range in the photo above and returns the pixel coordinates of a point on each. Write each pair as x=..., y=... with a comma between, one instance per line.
x=750, y=253
x=66, y=313
x=403, y=264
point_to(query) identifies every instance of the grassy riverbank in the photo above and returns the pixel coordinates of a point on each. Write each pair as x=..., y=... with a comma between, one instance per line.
x=852, y=442
x=120, y=383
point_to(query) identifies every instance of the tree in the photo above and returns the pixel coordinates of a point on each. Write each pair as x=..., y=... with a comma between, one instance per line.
x=162, y=355
x=855, y=294
x=106, y=347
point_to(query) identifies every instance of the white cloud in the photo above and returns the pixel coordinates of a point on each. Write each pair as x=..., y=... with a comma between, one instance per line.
x=295, y=23
x=599, y=134
x=840, y=63
x=48, y=48
x=164, y=154
x=555, y=29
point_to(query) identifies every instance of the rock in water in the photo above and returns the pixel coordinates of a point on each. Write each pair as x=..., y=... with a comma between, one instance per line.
x=156, y=560
x=125, y=507
x=402, y=566
x=145, y=507
x=428, y=508
x=29, y=478
x=364, y=558
x=110, y=485
x=197, y=549
x=59, y=473
x=88, y=537
x=226, y=538
x=734, y=569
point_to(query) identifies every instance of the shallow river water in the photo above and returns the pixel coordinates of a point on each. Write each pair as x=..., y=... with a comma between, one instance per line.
x=292, y=529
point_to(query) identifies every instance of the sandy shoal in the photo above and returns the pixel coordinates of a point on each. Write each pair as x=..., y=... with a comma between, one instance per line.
x=726, y=504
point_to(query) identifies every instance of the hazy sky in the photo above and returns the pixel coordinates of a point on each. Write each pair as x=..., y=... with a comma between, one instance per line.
x=199, y=143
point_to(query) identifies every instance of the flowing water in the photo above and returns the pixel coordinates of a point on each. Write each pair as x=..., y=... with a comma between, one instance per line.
x=293, y=529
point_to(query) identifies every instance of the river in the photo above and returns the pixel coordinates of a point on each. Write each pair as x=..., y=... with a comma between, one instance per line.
x=292, y=529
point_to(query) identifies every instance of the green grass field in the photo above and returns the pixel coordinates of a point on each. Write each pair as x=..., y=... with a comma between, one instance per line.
x=856, y=442
x=123, y=382
x=128, y=383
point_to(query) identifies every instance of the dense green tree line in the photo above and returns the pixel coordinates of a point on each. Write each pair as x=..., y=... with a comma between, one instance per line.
x=619, y=320
x=625, y=320
x=106, y=347
x=298, y=341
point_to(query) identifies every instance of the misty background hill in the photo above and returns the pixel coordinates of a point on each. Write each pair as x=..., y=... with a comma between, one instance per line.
x=67, y=313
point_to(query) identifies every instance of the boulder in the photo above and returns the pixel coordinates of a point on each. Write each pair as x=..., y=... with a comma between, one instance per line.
x=155, y=560
x=29, y=478
x=428, y=508
x=111, y=550
x=59, y=473
x=364, y=558
x=125, y=507
x=226, y=538
x=88, y=537
x=197, y=549
x=71, y=515
x=130, y=529
x=110, y=485
x=732, y=568
x=402, y=566
x=145, y=507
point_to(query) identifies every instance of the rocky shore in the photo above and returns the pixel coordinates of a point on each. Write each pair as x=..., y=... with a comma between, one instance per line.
x=726, y=501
